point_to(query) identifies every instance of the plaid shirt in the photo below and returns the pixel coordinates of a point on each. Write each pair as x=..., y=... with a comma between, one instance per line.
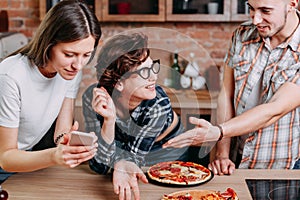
x=257, y=65
x=92, y=124
x=135, y=137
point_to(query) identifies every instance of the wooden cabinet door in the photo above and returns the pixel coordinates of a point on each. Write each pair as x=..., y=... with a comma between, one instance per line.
x=197, y=11
x=140, y=11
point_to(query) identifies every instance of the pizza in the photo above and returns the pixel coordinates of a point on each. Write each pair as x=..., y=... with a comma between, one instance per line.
x=229, y=194
x=179, y=173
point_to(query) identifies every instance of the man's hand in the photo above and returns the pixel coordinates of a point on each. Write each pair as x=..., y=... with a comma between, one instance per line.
x=203, y=132
x=125, y=178
x=222, y=166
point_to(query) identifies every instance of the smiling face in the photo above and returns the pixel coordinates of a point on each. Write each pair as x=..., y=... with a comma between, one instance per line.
x=269, y=16
x=67, y=59
x=137, y=89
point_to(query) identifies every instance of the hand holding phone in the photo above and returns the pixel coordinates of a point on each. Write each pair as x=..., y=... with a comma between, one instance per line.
x=81, y=139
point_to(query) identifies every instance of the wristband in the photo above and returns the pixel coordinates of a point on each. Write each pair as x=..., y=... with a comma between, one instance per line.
x=221, y=132
x=58, y=138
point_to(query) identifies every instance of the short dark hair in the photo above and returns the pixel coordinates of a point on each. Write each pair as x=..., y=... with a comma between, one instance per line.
x=118, y=55
x=67, y=21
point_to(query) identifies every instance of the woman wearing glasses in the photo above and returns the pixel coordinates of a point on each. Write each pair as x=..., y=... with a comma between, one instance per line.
x=135, y=114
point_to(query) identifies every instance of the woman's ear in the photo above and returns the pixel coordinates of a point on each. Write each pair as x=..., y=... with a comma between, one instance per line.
x=119, y=86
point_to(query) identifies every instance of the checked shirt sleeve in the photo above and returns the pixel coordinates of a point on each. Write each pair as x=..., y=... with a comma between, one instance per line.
x=149, y=120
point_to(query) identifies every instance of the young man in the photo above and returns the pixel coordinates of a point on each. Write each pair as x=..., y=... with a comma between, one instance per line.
x=260, y=98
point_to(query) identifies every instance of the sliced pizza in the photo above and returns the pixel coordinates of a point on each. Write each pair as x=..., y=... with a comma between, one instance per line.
x=179, y=173
x=229, y=194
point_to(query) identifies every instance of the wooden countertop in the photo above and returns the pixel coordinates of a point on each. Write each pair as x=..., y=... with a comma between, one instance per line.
x=80, y=183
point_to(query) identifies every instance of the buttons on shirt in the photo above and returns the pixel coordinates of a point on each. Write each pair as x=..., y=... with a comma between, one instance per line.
x=280, y=79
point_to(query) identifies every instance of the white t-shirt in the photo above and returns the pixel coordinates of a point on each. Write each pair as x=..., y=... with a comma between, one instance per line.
x=29, y=101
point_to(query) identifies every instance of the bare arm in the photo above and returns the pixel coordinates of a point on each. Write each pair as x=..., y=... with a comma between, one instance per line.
x=103, y=104
x=265, y=114
x=258, y=117
x=65, y=118
x=14, y=160
x=225, y=111
x=126, y=174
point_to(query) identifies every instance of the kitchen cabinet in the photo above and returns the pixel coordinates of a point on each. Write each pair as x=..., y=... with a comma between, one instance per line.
x=45, y=5
x=188, y=102
x=197, y=11
x=162, y=10
x=239, y=11
x=137, y=10
x=42, y=8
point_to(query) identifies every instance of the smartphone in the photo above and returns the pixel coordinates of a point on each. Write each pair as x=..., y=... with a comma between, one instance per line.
x=81, y=139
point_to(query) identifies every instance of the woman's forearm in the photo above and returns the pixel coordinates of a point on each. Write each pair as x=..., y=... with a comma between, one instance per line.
x=108, y=131
x=26, y=161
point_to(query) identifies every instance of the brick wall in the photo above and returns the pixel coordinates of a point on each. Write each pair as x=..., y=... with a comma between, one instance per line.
x=213, y=37
x=23, y=15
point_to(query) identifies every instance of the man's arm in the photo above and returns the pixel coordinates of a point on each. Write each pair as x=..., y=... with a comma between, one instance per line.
x=286, y=99
x=225, y=111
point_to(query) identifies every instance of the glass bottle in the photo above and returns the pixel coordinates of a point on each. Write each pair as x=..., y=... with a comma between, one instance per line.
x=175, y=72
x=185, y=4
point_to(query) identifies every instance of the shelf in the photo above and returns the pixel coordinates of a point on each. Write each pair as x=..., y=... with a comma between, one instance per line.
x=98, y=9
x=240, y=11
x=43, y=9
x=200, y=12
x=45, y=5
x=162, y=11
x=154, y=11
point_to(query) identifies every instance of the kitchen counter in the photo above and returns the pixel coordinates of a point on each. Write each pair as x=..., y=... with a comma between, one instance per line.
x=80, y=183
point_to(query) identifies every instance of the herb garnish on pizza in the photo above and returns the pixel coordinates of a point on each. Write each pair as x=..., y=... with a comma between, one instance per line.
x=179, y=173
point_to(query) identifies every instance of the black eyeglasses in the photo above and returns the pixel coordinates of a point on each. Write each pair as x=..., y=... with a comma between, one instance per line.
x=145, y=71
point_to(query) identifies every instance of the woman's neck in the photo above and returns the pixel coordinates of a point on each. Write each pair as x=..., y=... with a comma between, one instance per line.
x=47, y=73
x=125, y=105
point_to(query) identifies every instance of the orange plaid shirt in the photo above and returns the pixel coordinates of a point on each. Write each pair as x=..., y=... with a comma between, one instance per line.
x=257, y=65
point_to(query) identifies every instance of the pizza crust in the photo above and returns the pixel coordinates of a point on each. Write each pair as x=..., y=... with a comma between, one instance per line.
x=201, y=194
x=194, y=193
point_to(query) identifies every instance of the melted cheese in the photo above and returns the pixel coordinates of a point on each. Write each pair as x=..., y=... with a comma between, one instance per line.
x=183, y=169
x=164, y=172
x=196, y=171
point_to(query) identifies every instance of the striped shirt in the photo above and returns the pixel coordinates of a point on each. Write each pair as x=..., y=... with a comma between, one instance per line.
x=255, y=64
x=91, y=123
